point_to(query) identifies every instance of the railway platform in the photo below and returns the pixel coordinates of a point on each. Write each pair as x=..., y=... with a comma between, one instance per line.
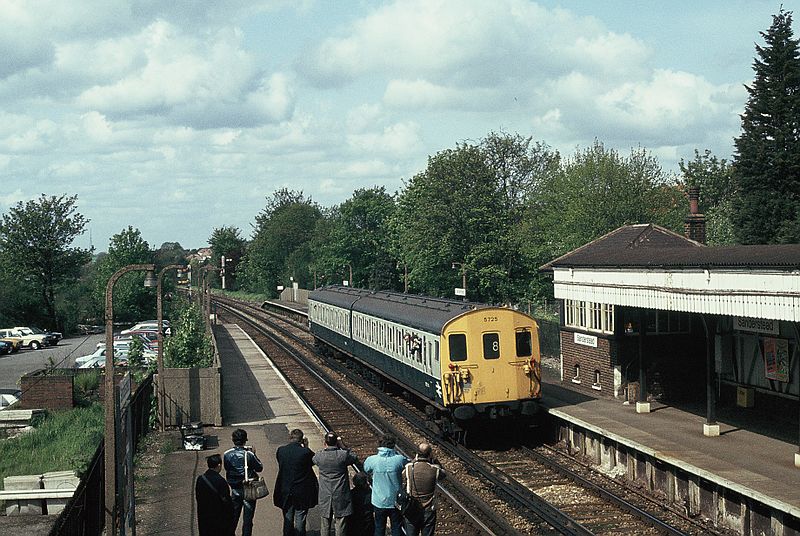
x=748, y=462
x=255, y=397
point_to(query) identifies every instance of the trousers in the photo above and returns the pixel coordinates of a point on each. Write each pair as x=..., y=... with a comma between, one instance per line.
x=380, y=521
x=338, y=524
x=424, y=522
x=294, y=521
x=249, y=507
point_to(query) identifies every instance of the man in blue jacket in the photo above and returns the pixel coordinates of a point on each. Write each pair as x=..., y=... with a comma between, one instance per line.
x=386, y=469
x=234, y=474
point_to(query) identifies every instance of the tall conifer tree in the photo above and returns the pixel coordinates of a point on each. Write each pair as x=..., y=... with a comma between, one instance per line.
x=767, y=167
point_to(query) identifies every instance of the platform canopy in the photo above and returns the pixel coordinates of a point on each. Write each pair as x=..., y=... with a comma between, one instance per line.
x=648, y=266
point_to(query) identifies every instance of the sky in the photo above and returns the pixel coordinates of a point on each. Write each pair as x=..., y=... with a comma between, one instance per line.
x=183, y=116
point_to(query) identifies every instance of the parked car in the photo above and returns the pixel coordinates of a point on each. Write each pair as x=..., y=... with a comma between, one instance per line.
x=52, y=336
x=100, y=362
x=16, y=342
x=99, y=353
x=147, y=325
x=29, y=338
x=5, y=347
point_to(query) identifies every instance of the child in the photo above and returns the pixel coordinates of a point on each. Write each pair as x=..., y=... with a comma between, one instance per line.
x=361, y=523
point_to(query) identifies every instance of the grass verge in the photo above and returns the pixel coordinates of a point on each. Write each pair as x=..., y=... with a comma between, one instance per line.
x=64, y=440
x=241, y=295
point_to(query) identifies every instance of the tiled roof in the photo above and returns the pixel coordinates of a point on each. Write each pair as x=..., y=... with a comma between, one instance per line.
x=650, y=246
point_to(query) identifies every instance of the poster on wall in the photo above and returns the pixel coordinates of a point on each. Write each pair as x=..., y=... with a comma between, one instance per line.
x=776, y=359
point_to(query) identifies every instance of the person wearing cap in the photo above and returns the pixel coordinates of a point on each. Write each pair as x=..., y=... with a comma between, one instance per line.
x=214, y=506
x=335, y=503
x=296, y=486
x=420, y=477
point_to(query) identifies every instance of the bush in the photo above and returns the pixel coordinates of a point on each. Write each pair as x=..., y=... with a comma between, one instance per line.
x=86, y=387
x=189, y=345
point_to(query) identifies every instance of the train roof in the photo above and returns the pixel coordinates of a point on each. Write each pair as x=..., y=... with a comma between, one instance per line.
x=420, y=312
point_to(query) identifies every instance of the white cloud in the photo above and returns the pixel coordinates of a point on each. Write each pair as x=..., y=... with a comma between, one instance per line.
x=201, y=81
x=396, y=140
x=9, y=199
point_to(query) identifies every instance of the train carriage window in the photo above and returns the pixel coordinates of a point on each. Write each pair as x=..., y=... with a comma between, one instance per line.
x=458, y=347
x=524, y=346
x=491, y=345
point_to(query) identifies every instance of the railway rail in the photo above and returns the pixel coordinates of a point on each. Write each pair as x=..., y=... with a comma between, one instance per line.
x=532, y=490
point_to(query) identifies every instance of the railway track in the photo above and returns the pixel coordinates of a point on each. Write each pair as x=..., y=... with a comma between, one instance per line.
x=513, y=491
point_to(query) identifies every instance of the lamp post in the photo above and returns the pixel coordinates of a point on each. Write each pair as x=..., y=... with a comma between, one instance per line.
x=110, y=454
x=160, y=358
x=463, y=277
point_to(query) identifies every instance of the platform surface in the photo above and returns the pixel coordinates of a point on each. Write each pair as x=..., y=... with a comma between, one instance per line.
x=759, y=464
x=256, y=398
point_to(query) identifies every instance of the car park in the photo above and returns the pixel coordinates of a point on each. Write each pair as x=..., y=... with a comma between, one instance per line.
x=30, y=339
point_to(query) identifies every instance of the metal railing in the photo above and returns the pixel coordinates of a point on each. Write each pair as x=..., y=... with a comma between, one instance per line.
x=84, y=514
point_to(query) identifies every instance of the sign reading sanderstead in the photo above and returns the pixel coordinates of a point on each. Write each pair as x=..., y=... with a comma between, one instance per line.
x=756, y=325
x=586, y=340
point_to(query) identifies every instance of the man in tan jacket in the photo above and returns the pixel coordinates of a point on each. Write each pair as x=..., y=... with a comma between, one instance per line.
x=420, y=477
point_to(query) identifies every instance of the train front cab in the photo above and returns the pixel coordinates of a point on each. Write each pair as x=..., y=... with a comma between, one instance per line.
x=491, y=365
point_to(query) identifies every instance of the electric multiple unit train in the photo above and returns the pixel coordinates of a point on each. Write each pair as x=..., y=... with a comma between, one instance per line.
x=468, y=361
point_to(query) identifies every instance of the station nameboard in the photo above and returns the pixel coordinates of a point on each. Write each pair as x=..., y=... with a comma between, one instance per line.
x=756, y=325
x=585, y=340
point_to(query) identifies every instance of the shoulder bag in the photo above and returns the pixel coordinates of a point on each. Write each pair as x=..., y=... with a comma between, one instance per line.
x=253, y=488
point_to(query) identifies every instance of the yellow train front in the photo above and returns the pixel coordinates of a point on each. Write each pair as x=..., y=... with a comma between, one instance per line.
x=468, y=362
x=491, y=365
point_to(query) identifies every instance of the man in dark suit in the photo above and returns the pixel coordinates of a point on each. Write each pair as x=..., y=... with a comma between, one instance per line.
x=296, y=487
x=214, y=506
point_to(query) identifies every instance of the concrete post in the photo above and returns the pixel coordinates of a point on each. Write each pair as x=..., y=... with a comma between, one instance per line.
x=642, y=405
x=710, y=428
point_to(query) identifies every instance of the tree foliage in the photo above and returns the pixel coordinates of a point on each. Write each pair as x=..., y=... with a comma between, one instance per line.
x=36, y=249
x=281, y=233
x=357, y=234
x=132, y=301
x=767, y=168
x=593, y=193
x=227, y=241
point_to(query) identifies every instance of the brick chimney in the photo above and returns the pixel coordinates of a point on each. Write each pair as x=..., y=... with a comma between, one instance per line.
x=694, y=226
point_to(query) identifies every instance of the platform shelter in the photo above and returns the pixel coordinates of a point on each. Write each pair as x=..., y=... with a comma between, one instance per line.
x=648, y=313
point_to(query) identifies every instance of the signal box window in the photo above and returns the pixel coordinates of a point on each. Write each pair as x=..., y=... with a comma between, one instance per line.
x=458, y=347
x=524, y=345
x=491, y=345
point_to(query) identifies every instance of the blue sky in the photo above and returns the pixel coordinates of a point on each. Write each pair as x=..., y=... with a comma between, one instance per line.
x=179, y=117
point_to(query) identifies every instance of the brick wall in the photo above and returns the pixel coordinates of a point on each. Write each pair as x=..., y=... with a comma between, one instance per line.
x=589, y=359
x=40, y=391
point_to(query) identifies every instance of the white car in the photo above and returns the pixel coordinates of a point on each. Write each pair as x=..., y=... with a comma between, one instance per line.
x=149, y=325
x=100, y=352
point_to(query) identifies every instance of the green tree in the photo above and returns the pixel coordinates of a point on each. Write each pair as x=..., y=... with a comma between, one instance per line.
x=596, y=191
x=227, y=241
x=521, y=167
x=449, y=213
x=282, y=228
x=714, y=177
x=767, y=164
x=36, y=247
x=359, y=236
x=132, y=301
